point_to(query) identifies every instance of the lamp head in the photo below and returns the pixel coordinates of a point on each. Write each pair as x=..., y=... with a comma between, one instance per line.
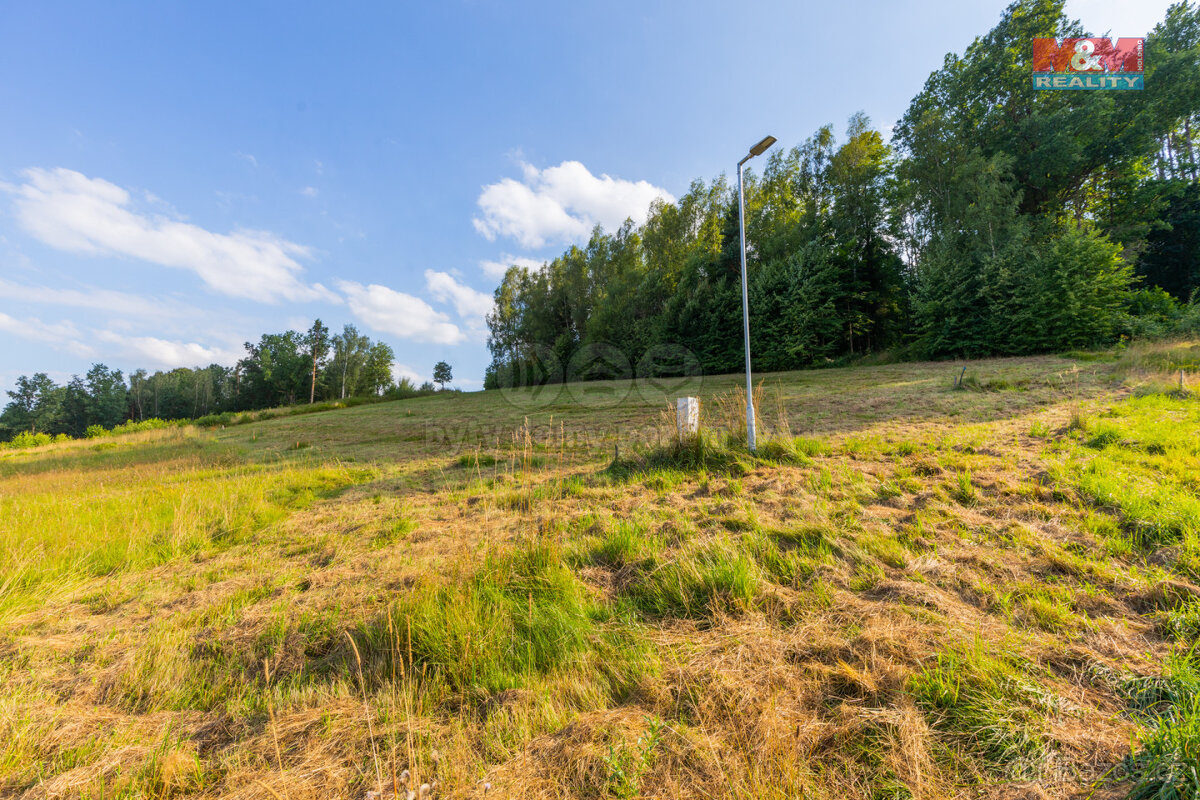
x=762, y=146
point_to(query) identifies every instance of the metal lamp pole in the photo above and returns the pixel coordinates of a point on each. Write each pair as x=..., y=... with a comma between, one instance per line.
x=757, y=150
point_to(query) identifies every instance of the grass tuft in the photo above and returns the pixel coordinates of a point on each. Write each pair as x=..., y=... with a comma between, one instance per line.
x=699, y=580
x=519, y=617
x=987, y=706
x=1167, y=765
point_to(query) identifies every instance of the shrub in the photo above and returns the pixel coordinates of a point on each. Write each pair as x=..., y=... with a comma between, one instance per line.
x=151, y=424
x=25, y=439
x=215, y=420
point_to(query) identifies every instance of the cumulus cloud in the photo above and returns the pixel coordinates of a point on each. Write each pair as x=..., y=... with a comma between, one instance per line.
x=147, y=351
x=468, y=302
x=404, y=371
x=93, y=298
x=60, y=335
x=167, y=354
x=69, y=211
x=309, y=191
x=472, y=305
x=1118, y=17
x=560, y=204
x=496, y=269
x=400, y=314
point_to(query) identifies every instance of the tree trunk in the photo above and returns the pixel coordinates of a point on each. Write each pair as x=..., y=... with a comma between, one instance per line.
x=1187, y=132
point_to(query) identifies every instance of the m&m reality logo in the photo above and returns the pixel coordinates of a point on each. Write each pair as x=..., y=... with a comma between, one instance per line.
x=1094, y=63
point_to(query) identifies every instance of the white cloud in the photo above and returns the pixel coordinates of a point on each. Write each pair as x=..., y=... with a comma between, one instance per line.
x=400, y=314
x=61, y=335
x=496, y=269
x=145, y=350
x=1118, y=17
x=469, y=303
x=163, y=353
x=69, y=211
x=309, y=191
x=93, y=298
x=404, y=371
x=472, y=306
x=560, y=204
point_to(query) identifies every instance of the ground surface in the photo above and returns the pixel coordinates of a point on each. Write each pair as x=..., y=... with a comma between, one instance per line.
x=916, y=591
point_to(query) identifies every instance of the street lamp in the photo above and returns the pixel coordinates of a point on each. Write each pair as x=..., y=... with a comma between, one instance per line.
x=757, y=150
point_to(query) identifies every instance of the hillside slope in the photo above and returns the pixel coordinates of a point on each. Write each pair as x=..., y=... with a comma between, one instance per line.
x=915, y=590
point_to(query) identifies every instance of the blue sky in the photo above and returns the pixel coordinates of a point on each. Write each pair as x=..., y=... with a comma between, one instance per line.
x=178, y=178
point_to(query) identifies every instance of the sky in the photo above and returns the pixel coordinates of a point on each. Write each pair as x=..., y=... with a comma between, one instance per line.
x=179, y=178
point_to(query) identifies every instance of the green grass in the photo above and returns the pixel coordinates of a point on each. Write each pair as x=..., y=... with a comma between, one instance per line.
x=557, y=624
x=984, y=701
x=703, y=452
x=392, y=531
x=963, y=491
x=1183, y=623
x=136, y=508
x=623, y=543
x=1166, y=765
x=793, y=556
x=476, y=460
x=698, y=580
x=1144, y=466
x=519, y=617
x=712, y=452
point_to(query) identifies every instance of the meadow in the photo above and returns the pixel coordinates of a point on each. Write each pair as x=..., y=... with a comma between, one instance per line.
x=950, y=579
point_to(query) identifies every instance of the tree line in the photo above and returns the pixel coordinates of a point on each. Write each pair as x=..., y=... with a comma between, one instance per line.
x=279, y=369
x=998, y=219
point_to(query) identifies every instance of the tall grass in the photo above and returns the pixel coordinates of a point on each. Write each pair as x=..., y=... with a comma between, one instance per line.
x=983, y=700
x=81, y=514
x=1141, y=462
x=1168, y=367
x=1167, y=764
x=520, y=617
x=714, y=576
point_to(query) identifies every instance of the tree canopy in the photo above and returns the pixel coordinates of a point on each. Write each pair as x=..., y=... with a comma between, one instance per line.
x=279, y=369
x=998, y=219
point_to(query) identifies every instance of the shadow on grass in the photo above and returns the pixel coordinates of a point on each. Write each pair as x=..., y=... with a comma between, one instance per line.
x=712, y=452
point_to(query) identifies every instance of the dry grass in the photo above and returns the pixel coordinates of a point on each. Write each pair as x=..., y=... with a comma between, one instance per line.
x=917, y=602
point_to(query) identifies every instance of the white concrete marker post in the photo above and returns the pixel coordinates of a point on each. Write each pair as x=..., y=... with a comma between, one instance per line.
x=687, y=415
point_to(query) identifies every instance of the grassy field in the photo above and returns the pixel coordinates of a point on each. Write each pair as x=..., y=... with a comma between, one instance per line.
x=914, y=590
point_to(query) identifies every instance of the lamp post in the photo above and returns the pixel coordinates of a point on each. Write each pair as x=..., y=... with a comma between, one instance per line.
x=757, y=150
